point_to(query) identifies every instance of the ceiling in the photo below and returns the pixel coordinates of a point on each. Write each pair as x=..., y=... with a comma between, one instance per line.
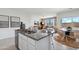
x=36, y=11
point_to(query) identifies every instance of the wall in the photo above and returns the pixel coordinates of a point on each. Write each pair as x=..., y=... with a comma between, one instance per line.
x=70, y=13
x=9, y=32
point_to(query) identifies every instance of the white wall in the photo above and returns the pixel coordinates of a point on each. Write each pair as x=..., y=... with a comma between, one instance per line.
x=70, y=13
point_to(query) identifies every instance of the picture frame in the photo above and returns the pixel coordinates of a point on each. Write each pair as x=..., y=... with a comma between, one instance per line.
x=4, y=21
x=14, y=21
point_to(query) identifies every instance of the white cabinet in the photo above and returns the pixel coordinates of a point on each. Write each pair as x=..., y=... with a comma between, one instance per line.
x=43, y=44
x=31, y=47
x=31, y=41
x=22, y=42
x=31, y=44
x=27, y=43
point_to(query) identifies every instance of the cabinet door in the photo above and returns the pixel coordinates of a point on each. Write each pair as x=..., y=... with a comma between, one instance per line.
x=31, y=47
x=31, y=44
x=22, y=42
x=31, y=41
x=43, y=44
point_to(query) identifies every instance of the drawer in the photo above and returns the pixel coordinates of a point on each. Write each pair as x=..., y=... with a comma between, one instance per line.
x=31, y=41
x=22, y=44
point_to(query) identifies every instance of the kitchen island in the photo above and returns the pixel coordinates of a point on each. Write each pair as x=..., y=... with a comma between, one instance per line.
x=32, y=41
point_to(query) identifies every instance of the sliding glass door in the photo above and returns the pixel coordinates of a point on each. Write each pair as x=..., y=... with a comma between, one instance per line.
x=50, y=21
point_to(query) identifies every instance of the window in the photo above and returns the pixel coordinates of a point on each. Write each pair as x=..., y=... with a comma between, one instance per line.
x=70, y=20
x=75, y=19
x=50, y=21
x=66, y=20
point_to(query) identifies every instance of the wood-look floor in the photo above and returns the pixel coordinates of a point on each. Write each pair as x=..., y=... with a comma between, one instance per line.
x=68, y=41
x=10, y=48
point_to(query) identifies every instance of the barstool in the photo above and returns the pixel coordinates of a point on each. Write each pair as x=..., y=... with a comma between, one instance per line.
x=67, y=33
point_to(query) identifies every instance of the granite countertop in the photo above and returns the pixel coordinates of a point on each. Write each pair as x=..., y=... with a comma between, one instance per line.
x=35, y=36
